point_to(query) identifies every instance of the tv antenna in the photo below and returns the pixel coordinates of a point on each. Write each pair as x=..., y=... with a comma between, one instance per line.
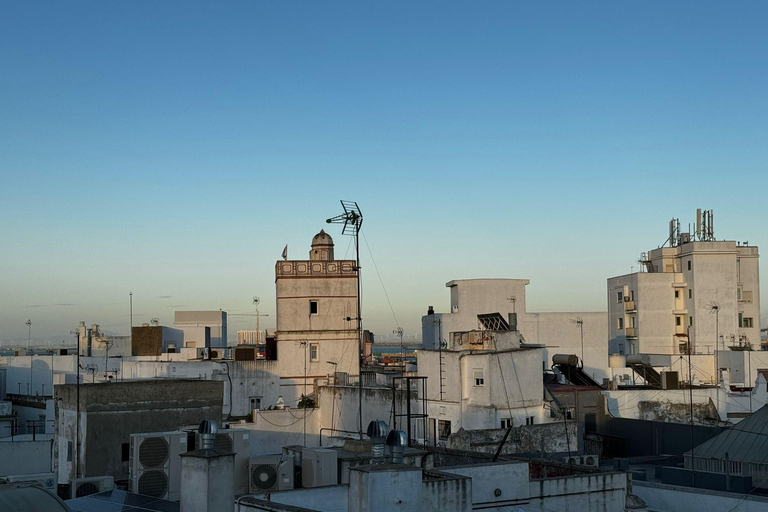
x=256, y=302
x=580, y=322
x=352, y=218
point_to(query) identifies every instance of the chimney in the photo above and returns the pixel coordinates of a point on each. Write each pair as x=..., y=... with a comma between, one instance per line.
x=207, y=475
x=377, y=431
x=431, y=310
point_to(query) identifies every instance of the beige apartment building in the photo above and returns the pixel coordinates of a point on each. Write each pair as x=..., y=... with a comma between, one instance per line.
x=696, y=293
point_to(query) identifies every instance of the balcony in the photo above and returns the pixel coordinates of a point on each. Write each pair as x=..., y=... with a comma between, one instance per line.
x=630, y=332
x=629, y=305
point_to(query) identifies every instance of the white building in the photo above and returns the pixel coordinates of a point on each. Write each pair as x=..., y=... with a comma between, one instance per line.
x=193, y=323
x=559, y=333
x=696, y=292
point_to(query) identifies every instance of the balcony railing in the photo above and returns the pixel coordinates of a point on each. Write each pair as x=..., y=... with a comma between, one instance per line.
x=631, y=332
x=629, y=305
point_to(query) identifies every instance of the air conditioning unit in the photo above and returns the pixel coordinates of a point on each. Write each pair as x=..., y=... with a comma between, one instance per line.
x=319, y=466
x=235, y=440
x=154, y=467
x=270, y=473
x=80, y=487
x=47, y=481
x=573, y=459
x=590, y=460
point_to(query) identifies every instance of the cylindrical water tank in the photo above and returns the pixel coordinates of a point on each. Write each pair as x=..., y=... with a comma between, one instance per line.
x=568, y=359
x=638, y=359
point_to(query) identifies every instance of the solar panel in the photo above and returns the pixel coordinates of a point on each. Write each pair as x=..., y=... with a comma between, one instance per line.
x=493, y=322
x=121, y=501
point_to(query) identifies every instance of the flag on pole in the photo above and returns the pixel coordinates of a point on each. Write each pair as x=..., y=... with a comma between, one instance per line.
x=285, y=252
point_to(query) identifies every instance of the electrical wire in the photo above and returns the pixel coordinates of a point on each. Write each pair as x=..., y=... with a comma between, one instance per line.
x=376, y=268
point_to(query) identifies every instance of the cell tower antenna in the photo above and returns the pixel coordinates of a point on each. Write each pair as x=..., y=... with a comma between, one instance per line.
x=352, y=218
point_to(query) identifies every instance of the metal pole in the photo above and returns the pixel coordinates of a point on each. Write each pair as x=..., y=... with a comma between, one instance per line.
x=130, y=295
x=360, y=336
x=408, y=406
x=77, y=419
x=581, y=328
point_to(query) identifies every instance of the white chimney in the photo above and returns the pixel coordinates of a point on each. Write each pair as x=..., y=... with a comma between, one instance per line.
x=207, y=475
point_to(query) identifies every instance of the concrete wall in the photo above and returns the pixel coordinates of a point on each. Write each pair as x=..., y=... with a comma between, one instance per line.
x=216, y=320
x=111, y=412
x=331, y=499
x=26, y=457
x=603, y=492
x=547, y=438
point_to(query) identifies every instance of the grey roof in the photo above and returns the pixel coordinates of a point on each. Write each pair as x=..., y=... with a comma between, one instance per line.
x=745, y=442
x=29, y=499
x=121, y=501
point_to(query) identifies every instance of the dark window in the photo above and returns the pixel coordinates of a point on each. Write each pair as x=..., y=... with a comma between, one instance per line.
x=69, y=451
x=690, y=293
x=677, y=320
x=689, y=264
x=677, y=294
x=443, y=429
x=126, y=452
x=313, y=307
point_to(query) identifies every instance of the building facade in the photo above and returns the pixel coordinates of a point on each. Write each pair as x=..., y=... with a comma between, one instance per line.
x=698, y=294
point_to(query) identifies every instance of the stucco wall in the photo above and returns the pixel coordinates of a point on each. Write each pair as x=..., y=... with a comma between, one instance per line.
x=26, y=457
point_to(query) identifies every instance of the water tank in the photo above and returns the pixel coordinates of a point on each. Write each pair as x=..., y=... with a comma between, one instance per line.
x=566, y=359
x=638, y=359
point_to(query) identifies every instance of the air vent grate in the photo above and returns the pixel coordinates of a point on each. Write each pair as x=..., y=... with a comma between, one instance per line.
x=263, y=476
x=153, y=452
x=86, y=489
x=223, y=442
x=153, y=483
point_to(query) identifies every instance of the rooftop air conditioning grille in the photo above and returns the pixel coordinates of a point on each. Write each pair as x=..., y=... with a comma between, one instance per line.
x=222, y=442
x=153, y=452
x=153, y=483
x=263, y=476
x=86, y=489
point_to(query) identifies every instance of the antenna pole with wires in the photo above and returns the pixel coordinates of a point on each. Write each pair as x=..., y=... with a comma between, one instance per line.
x=352, y=218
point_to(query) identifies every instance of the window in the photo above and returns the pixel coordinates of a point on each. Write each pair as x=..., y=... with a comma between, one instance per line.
x=506, y=423
x=69, y=451
x=621, y=349
x=479, y=377
x=678, y=321
x=443, y=429
x=632, y=295
x=313, y=307
x=529, y=420
x=314, y=352
x=126, y=452
x=690, y=320
x=255, y=402
x=619, y=297
x=690, y=293
x=677, y=294
x=689, y=264
x=620, y=323
x=745, y=321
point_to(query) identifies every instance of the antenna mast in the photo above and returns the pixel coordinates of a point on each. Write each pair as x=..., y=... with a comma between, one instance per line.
x=352, y=218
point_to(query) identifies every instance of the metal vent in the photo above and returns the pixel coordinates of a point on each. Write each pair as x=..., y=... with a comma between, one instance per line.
x=223, y=442
x=263, y=476
x=153, y=452
x=153, y=483
x=86, y=489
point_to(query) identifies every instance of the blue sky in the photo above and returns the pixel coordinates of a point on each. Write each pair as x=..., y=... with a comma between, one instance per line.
x=173, y=148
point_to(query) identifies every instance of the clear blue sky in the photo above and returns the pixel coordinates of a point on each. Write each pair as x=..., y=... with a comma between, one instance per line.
x=173, y=148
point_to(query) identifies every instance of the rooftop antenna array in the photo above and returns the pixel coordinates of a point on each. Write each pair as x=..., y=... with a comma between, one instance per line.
x=352, y=218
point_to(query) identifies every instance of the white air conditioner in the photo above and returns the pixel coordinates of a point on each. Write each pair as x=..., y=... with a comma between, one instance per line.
x=574, y=459
x=235, y=440
x=154, y=467
x=80, y=487
x=590, y=460
x=47, y=481
x=270, y=473
x=319, y=466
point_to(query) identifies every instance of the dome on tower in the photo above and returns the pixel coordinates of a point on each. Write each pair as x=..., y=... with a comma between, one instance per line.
x=322, y=238
x=322, y=247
